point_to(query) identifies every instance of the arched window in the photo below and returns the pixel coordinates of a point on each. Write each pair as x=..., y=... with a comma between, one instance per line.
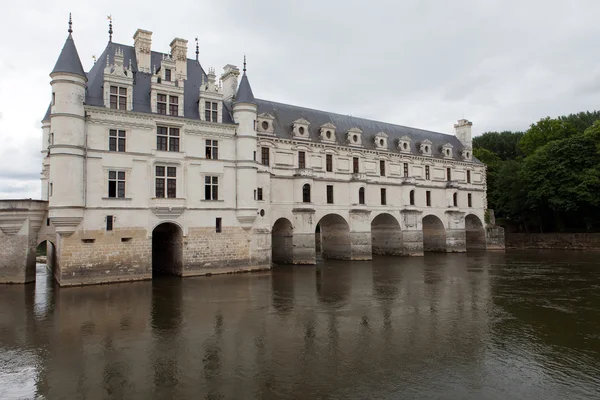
x=455, y=199
x=306, y=193
x=412, y=197
x=361, y=195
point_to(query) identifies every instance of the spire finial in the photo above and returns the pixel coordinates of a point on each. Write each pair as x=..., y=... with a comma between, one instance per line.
x=70, y=24
x=244, y=64
x=197, y=48
x=110, y=31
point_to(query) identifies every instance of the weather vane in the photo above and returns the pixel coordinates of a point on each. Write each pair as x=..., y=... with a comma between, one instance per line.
x=110, y=31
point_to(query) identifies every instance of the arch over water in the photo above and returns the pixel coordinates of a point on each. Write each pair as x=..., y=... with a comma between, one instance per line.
x=167, y=250
x=335, y=237
x=48, y=249
x=434, y=234
x=282, y=242
x=475, y=233
x=386, y=235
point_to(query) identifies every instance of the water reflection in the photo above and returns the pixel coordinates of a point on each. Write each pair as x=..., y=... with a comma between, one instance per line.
x=483, y=325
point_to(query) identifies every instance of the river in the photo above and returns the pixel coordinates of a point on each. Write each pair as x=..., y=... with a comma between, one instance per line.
x=514, y=325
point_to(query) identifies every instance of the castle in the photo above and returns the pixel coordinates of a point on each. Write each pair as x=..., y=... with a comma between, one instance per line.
x=151, y=164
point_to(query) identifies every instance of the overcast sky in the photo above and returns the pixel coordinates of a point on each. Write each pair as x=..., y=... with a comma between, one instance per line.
x=424, y=63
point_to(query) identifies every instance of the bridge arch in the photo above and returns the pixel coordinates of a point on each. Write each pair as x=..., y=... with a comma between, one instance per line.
x=47, y=248
x=334, y=234
x=474, y=232
x=167, y=249
x=434, y=234
x=282, y=242
x=386, y=235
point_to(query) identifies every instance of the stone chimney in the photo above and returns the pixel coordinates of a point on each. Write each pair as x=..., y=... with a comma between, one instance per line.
x=463, y=132
x=142, y=41
x=179, y=54
x=230, y=81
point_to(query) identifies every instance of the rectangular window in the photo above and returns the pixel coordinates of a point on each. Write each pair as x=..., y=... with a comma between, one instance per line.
x=53, y=98
x=428, y=198
x=427, y=175
x=211, y=188
x=264, y=155
x=52, y=138
x=383, y=197
x=254, y=156
x=455, y=199
x=116, y=140
x=47, y=221
x=382, y=167
x=468, y=176
x=469, y=200
x=210, y=111
x=412, y=197
x=355, y=165
x=329, y=162
x=118, y=98
x=218, y=227
x=173, y=105
x=109, y=222
x=166, y=182
x=301, y=159
x=167, y=74
x=51, y=188
x=329, y=194
x=259, y=194
x=361, y=196
x=167, y=139
x=212, y=149
x=449, y=174
x=116, y=184
x=406, y=170
x=161, y=104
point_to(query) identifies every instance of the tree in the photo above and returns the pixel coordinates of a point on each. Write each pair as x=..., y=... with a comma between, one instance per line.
x=503, y=144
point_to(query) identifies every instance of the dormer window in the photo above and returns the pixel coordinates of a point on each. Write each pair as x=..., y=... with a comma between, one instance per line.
x=404, y=144
x=327, y=132
x=425, y=147
x=265, y=123
x=211, y=111
x=467, y=154
x=380, y=141
x=447, y=150
x=161, y=104
x=167, y=74
x=118, y=98
x=354, y=137
x=300, y=128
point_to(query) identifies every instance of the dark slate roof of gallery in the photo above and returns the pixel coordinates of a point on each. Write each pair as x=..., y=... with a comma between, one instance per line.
x=68, y=60
x=244, y=93
x=286, y=114
x=142, y=82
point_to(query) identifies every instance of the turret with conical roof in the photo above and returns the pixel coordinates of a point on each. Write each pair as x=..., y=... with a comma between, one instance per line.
x=66, y=154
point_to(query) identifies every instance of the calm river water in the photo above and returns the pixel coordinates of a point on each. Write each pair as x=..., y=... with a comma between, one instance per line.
x=515, y=325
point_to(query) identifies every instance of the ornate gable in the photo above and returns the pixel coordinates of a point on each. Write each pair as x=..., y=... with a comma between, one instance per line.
x=354, y=137
x=425, y=147
x=381, y=141
x=446, y=150
x=328, y=132
x=265, y=124
x=404, y=144
x=300, y=129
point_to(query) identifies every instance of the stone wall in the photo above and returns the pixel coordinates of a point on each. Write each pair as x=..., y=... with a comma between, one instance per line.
x=570, y=241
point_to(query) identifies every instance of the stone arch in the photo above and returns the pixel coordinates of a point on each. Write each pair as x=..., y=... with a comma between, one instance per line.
x=434, y=234
x=334, y=237
x=282, y=242
x=386, y=235
x=474, y=233
x=48, y=248
x=167, y=249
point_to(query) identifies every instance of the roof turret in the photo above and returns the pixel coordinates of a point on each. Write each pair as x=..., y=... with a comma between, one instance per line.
x=68, y=60
x=244, y=93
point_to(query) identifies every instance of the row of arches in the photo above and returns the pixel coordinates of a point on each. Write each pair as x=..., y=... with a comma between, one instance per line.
x=332, y=236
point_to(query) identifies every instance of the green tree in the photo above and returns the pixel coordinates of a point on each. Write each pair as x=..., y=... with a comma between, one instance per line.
x=503, y=144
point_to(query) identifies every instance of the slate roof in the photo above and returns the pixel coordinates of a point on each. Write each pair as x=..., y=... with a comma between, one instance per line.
x=68, y=60
x=244, y=93
x=286, y=114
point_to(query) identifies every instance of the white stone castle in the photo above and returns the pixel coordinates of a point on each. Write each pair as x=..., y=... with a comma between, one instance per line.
x=153, y=164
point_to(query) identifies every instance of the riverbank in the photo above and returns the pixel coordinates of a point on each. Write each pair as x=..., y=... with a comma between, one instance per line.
x=562, y=241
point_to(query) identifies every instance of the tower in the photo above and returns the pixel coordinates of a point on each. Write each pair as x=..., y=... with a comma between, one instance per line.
x=463, y=132
x=245, y=112
x=67, y=149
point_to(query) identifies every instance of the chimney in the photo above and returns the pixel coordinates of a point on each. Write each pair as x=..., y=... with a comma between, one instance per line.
x=463, y=132
x=230, y=81
x=142, y=41
x=179, y=54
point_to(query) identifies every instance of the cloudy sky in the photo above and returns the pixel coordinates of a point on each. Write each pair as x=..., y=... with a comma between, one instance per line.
x=424, y=63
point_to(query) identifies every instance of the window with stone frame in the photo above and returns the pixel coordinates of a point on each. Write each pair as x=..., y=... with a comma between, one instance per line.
x=329, y=194
x=116, y=140
x=382, y=167
x=329, y=162
x=361, y=195
x=167, y=138
x=116, y=184
x=165, y=182
x=161, y=104
x=259, y=194
x=301, y=159
x=118, y=98
x=411, y=197
x=355, y=167
x=448, y=174
x=455, y=199
x=383, y=196
x=428, y=198
x=167, y=75
x=264, y=156
x=306, y=193
x=173, y=105
x=469, y=200
x=468, y=176
x=211, y=187
x=211, y=112
x=406, y=170
x=427, y=174
x=212, y=149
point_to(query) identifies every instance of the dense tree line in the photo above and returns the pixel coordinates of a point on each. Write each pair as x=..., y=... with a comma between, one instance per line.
x=546, y=179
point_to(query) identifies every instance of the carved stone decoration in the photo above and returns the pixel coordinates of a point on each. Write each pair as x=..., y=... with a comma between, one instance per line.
x=328, y=133
x=425, y=147
x=446, y=150
x=300, y=129
x=381, y=141
x=65, y=226
x=12, y=224
x=354, y=137
x=467, y=154
x=265, y=124
x=404, y=144
x=168, y=212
